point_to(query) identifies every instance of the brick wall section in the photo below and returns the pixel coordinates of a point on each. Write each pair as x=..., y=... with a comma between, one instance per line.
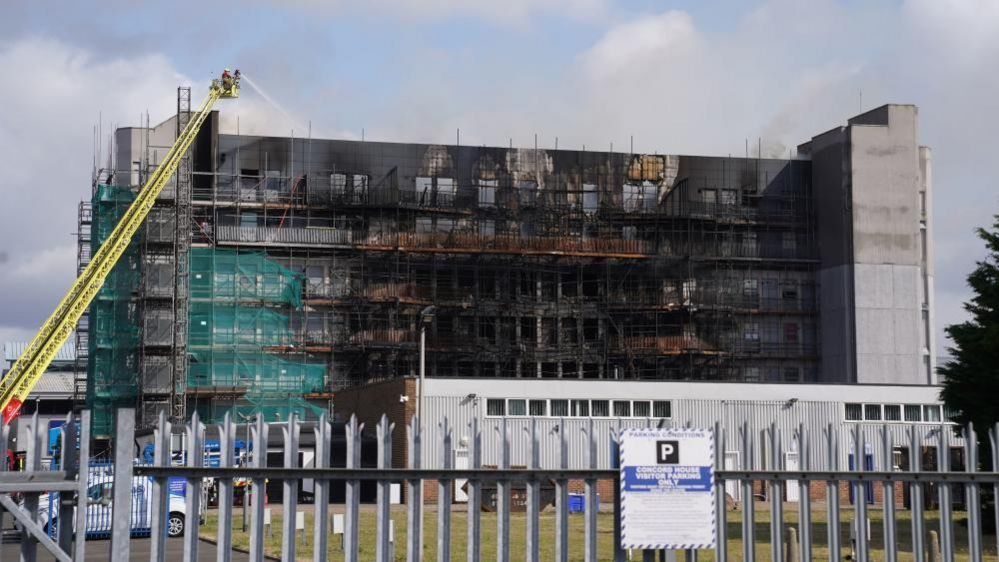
x=370, y=401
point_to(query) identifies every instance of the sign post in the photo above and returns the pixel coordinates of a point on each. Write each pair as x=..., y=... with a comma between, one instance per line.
x=667, y=489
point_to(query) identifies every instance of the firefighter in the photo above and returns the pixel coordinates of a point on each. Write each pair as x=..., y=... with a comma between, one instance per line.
x=226, y=80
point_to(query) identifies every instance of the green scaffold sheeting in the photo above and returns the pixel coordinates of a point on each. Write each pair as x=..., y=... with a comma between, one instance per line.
x=239, y=323
x=114, y=328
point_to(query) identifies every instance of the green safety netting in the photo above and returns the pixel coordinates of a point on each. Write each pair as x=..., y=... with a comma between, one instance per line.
x=237, y=317
x=239, y=322
x=232, y=275
x=257, y=371
x=114, y=329
x=237, y=327
x=248, y=409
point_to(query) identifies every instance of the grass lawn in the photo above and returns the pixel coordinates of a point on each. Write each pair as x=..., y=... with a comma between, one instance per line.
x=605, y=527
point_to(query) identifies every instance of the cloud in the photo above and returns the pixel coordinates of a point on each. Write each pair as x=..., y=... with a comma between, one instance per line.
x=505, y=12
x=784, y=72
x=54, y=95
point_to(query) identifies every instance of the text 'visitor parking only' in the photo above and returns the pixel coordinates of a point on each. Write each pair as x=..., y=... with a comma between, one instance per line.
x=667, y=489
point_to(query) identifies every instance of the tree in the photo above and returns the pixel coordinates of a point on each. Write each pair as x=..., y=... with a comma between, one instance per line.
x=971, y=377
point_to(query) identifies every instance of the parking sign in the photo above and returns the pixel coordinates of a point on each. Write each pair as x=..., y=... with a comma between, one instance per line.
x=667, y=489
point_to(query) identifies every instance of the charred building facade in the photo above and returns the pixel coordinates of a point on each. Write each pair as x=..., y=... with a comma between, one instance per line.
x=281, y=270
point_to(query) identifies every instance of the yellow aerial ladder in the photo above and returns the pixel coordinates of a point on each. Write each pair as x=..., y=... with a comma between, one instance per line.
x=24, y=374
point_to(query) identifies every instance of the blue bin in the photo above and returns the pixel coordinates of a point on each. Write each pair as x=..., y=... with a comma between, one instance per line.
x=577, y=503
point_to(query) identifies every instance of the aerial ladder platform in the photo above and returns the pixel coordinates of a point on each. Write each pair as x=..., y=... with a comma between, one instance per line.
x=29, y=367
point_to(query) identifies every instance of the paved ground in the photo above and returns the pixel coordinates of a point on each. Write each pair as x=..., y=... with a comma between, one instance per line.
x=100, y=550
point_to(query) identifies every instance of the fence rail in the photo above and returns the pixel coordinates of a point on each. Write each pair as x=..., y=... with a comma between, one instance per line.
x=817, y=466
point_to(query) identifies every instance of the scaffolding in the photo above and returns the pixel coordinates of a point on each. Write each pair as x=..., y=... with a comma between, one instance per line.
x=112, y=326
x=312, y=259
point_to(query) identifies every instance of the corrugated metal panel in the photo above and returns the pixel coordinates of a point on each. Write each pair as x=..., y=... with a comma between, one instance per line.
x=13, y=350
x=54, y=385
x=787, y=417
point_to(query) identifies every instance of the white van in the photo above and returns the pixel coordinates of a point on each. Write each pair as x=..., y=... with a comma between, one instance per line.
x=100, y=497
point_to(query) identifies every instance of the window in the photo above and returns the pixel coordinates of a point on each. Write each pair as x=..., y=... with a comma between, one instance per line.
x=913, y=413
x=709, y=196
x=591, y=199
x=560, y=408
x=751, y=289
x=600, y=408
x=792, y=374
x=581, y=408
x=931, y=413
x=751, y=374
x=528, y=191
x=487, y=193
x=517, y=407
x=949, y=414
x=893, y=412
x=791, y=332
x=854, y=412
x=788, y=243
x=872, y=412
x=728, y=197
x=495, y=407
x=622, y=408
x=751, y=332
x=424, y=185
x=446, y=185
x=662, y=409
x=539, y=407
x=641, y=409
x=339, y=182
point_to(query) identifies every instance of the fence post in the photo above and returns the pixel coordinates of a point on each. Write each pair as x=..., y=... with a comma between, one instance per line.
x=414, y=497
x=352, y=507
x=859, y=496
x=69, y=461
x=946, y=505
x=321, y=496
x=888, y=495
x=748, y=507
x=972, y=500
x=721, y=501
x=444, y=497
x=804, y=497
x=384, y=434
x=791, y=548
x=160, y=489
x=121, y=509
x=226, y=453
x=503, y=499
x=29, y=546
x=474, y=493
x=615, y=461
x=561, y=498
x=289, y=488
x=259, y=485
x=79, y=552
x=776, y=490
x=994, y=442
x=533, y=538
x=832, y=496
x=916, y=498
x=195, y=452
x=592, y=506
x=934, y=547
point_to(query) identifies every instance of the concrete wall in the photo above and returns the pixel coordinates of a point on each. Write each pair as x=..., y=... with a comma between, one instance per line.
x=870, y=179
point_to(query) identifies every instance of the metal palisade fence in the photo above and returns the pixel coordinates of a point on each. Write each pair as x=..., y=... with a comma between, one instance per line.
x=763, y=482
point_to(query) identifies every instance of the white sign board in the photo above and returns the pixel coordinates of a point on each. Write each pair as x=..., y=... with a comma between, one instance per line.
x=667, y=488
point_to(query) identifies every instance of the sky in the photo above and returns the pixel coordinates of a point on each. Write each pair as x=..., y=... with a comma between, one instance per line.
x=685, y=77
